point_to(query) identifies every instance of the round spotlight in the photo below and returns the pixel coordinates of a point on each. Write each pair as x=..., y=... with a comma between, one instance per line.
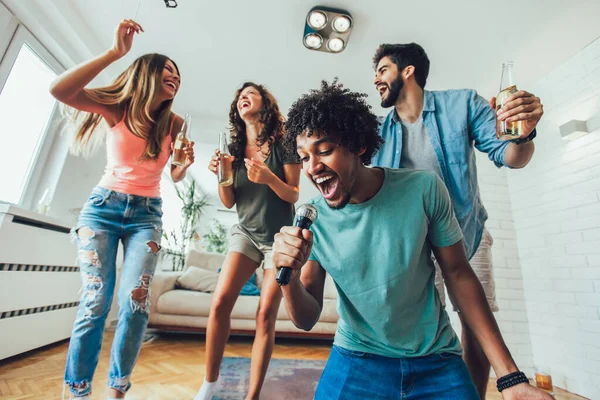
x=336, y=45
x=341, y=24
x=317, y=19
x=313, y=41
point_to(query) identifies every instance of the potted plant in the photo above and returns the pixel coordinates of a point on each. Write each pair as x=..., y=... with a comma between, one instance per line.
x=216, y=238
x=178, y=242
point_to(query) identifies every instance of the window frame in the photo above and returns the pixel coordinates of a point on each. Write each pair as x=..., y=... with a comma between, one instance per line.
x=38, y=177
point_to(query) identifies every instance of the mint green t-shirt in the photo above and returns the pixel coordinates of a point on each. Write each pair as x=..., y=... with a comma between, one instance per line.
x=379, y=256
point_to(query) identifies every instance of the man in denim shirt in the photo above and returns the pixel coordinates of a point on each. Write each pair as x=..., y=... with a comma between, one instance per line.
x=437, y=131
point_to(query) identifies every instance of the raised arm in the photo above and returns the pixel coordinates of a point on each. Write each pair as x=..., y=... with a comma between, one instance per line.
x=482, y=127
x=520, y=106
x=288, y=190
x=303, y=296
x=69, y=87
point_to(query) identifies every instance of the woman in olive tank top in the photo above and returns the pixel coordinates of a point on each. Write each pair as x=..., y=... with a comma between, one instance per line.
x=264, y=190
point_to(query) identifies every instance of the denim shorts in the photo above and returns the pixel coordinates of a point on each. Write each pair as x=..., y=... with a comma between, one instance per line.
x=357, y=375
x=241, y=242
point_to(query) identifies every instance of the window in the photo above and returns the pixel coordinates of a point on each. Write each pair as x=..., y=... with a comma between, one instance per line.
x=26, y=109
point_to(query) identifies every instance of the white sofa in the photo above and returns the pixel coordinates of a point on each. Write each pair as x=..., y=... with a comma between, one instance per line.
x=174, y=309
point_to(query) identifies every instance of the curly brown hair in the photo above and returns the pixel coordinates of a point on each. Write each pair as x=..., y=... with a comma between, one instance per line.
x=336, y=112
x=270, y=117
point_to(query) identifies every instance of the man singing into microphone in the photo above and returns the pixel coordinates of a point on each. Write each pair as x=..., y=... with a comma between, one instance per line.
x=374, y=235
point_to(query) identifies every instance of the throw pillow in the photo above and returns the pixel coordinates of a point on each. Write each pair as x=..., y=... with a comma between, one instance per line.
x=250, y=288
x=198, y=279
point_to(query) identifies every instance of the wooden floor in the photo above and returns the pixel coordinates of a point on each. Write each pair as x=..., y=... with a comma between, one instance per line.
x=169, y=367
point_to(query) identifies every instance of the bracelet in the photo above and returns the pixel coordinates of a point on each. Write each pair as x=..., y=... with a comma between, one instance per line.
x=525, y=140
x=511, y=380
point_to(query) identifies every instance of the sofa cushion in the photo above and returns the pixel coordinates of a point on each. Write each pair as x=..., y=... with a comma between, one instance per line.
x=187, y=302
x=202, y=259
x=198, y=279
x=184, y=302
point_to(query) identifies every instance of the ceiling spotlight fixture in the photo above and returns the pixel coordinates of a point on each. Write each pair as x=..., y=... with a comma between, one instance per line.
x=313, y=41
x=341, y=24
x=171, y=3
x=336, y=45
x=317, y=20
x=327, y=25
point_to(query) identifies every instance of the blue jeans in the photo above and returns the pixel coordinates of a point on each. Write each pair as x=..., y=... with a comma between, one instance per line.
x=355, y=375
x=107, y=218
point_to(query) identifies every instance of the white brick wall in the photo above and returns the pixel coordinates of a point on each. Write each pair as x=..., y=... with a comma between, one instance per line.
x=556, y=208
x=545, y=220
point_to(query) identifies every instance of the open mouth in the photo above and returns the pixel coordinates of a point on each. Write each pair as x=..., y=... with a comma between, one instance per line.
x=245, y=105
x=327, y=185
x=171, y=84
x=382, y=89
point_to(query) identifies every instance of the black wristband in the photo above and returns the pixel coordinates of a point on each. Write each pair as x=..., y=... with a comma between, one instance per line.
x=511, y=380
x=525, y=140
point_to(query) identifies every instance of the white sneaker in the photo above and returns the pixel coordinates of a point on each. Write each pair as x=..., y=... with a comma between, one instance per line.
x=208, y=390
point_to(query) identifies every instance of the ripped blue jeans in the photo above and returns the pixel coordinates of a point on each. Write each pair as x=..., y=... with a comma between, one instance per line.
x=107, y=218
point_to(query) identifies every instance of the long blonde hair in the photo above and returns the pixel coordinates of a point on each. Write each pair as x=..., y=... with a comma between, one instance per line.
x=132, y=92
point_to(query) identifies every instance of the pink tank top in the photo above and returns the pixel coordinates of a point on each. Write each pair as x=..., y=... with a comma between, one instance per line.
x=125, y=172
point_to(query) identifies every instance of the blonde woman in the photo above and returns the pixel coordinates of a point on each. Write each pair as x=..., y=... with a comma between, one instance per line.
x=126, y=204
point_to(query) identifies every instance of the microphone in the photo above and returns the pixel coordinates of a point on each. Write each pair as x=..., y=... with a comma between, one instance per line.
x=305, y=216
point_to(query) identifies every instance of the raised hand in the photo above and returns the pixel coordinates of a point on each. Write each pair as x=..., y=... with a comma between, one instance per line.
x=258, y=171
x=188, y=149
x=213, y=164
x=291, y=248
x=124, y=36
x=521, y=106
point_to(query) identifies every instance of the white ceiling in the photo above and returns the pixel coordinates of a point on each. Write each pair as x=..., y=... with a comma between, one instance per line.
x=219, y=45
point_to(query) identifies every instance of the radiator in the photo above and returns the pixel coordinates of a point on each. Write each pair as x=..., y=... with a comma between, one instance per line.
x=39, y=281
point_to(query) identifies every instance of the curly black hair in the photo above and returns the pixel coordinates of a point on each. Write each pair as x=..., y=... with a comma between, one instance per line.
x=404, y=55
x=336, y=112
x=270, y=117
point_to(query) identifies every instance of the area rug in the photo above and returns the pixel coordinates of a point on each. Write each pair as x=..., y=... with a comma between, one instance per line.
x=286, y=379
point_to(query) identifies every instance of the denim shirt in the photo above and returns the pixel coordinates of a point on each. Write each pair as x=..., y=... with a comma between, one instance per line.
x=456, y=121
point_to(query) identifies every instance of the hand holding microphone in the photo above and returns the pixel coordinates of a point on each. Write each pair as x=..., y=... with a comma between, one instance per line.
x=293, y=244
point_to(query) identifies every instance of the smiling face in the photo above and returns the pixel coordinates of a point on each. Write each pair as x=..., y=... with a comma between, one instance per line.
x=249, y=103
x=388, y=82
x=330, y=167
x=170, y=81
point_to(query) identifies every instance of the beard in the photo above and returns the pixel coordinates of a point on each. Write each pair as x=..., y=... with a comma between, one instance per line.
x=341, y=204
x=393, y=93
